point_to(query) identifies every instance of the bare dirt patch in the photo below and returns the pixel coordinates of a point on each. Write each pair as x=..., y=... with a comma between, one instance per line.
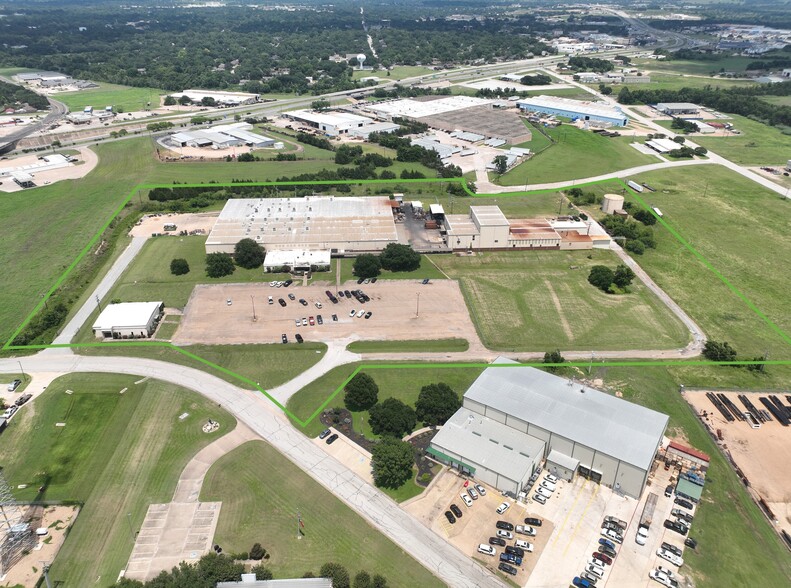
x=155, y=223
x=761, y=454
x=397, y=314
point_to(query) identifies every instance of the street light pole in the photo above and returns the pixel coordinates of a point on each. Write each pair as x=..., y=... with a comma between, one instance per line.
x=98, y=303
x=129, y=520
x=252, y=300
x=20, y=369
x=417, y=308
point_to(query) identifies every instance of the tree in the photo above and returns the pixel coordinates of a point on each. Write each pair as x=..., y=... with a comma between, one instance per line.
x=337, y=573
x=623, y=276
x=601, y=276
x=501, y=164
x=367, y=265
x=436, y=404
x=249, y=254
x=261, y=572
x=605, y=90
x=169, y=101
x=362, y=580
x=719, y=351
x=392, y=417
x=399, y=258
x=320, y=105
x=219, y=265
x=361, y=393
x=379, y=581
x=257, y=552
x=179, y=267
x=635, y=246
x=219, y=568
x=645, y=217
x=553, y=357
x=700, y=151
x=391, y=462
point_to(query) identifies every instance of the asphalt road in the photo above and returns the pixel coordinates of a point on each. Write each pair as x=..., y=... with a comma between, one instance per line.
x=254, y=410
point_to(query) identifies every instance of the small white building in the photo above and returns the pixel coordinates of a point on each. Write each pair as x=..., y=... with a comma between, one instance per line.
x=662, y=145
x=297, y=261
x=128, y=320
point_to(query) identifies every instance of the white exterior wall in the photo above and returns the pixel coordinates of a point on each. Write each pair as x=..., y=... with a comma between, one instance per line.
x=560, y=471
x=493, y=237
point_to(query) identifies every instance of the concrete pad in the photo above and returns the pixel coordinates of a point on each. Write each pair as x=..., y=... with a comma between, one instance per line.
x=350, y=454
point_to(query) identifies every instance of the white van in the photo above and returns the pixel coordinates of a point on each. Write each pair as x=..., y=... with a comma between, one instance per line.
x=486, y=549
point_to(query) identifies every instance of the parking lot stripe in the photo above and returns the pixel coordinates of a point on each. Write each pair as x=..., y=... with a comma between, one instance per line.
x=579, y=521
x=559, y=530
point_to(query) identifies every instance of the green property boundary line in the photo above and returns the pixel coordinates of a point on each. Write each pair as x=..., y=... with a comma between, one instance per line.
x=8, y=346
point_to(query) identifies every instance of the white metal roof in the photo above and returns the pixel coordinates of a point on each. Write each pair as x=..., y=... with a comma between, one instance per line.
x=677, y=106
x=419, y=108
x=126, y=314
x=488, y=216
x=563, y=460
x=662, y=145
x=621, y=429
x=490, y=444
x=335, y=119
x=577, y=106
x=436, y=209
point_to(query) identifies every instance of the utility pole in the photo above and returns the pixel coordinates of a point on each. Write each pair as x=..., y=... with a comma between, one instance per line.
x=20, y=369
x=131, y=532
x=98, y=303
x=417, y=309
x=45, y=569
x=299, y=524
x=252, y=300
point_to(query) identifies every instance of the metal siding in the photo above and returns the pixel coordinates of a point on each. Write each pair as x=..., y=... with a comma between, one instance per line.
x=495, y=415
x=630, y=479
x=516, y=423
x=584, y=454
x=538, y=432
x=607, y=465
x=474, y=406
x=561, y=444
x=486, y=476
x=559, y=471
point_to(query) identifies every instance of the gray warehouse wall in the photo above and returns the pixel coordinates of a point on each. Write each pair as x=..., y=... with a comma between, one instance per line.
x=631, y=480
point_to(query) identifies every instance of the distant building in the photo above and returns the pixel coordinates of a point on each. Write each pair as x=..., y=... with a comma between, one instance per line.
x=221, y=98
x=512, y=419
x=249, y=581
x=297, y=261
x=678, y=108
x=588, y=77
x=221, y=137
x=128, y=320
x=332, y=123
x=575, y=109
x=662, y=145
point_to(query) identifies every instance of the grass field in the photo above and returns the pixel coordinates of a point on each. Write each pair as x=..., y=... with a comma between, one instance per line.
x=670, y=81
x=116, y=453
x=426, y=270
x=404, y=384
x=433, y=345
x=592, y=155
x=399, y=72
x=701, y=68
x=758, y=144
x=121, y=98
x=534, y=300
x=778, y=100
x=736, y=544
x=737, y=227
x=266, y=364
x=262, y=492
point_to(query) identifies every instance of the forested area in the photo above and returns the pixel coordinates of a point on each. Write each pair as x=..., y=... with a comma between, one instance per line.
x=260, y=49
x=15, y=96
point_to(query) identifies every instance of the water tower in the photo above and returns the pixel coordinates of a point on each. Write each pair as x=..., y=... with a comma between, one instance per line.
x=360, y=59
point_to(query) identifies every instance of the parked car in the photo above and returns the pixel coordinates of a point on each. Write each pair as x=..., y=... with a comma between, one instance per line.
x=669, y=491
x=450, y=517
x=612, y=535
x=325, y=433
x=303, y=302
x=663, y=578
x=486, y=549
x=543, y=492
x=288, y=282
x=319, y=320
x=682, y=515
x=298, y=322
x=503, y=507
x=284, y=338
x=473, y=493
x=596, y=563
x=14, y=385
x=228, y=302
x=690, y=542
x=540, y=499
x=304, y=322
x=331, y=439
x=360, y=313
x=352, y=312
x=497, y=541
x=514, y=550
x=526, y=530
x=281, y=302
x=589, y=577
x=467, y=500
x=368, y=315
x=671, y=548
x=607, y=542
x=522, y=544
x=676, y=526
x=608, y=551
x=425, y=281
x=510, y=558
x=684, y=503
x=311, y=320
x=535, y=522
x=22, y=399
x=373, y=280
x=456, y=510
x=595, y=571
x=505, y=534
x=348, y=294
x=613, y=526
x=292, y=297
x=270, y=300
x=547, y=486
x=617, y=521
x=508, y=569
x=335, y=317
x=318, y=304
x=361, y=280
x=602, y=558
x=581, y=583
x=504, y=525
x=676, y=560
x=551, y=478
x=481, y=490
x=299, y=338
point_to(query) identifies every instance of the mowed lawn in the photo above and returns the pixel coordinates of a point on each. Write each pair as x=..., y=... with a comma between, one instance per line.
x=736, y=545
x=740, y=229
x=403, y=383
x=117, y=453
x=266, y=364
x=262, y=492
x=541, y=300
x=670, y=81
x=758, y=144
x=121, y=98
x=701, y=68
x=576, y=154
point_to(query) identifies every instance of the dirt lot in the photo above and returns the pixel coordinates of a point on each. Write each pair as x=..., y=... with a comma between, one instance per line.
x=762, y=454
x=56, y=519
x=155, y=223
x=478, y=522
x=88, y=160
x=394, y=304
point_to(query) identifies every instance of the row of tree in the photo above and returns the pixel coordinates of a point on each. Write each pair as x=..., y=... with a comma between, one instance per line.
x=395, y=258
x=13, y=96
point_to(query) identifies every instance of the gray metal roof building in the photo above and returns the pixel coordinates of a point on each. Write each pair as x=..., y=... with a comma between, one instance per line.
x=614, y=440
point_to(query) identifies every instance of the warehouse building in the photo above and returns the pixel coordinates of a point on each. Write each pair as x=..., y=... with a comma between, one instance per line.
x=678, y=108
x=297, y=261
x=221, y=98
x=335, y=224
x=514, y=418
x=128, y=320
x=330, y=123
x=662, y=145
x=575, y=109
x=221, y=137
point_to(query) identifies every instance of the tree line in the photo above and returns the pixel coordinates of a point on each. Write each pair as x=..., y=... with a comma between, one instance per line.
x=13, y=96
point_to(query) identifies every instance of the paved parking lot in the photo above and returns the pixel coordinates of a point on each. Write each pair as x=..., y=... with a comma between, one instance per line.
x=350, y=454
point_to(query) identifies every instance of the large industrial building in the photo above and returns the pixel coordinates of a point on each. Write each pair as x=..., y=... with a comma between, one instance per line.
x=678, y=108
x=315, y=223
x=486, y=227
x=221, y=98
x=221, y=137
x=514, y=418
x=575, y=109
x=332, y=123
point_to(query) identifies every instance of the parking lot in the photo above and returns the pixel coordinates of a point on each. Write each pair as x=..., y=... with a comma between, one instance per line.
x=401, y=309
x=572, y=520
